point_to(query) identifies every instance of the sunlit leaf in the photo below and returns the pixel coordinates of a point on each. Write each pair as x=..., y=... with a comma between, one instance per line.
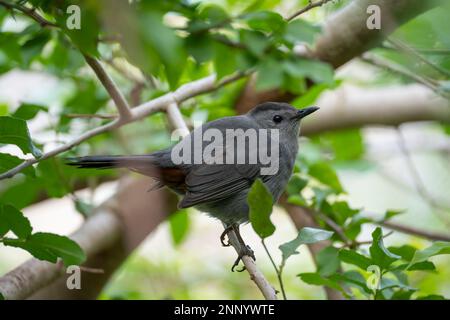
x=179, y=226
x=50, y=247
x=305, y=236
x=260, y=207
x=13, y=220
x=381, y=256
x=15, y=131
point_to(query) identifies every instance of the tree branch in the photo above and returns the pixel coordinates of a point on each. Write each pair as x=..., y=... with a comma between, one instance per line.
x=416, y=232
x=310, y=6
x=119, y=100
x=395, y=68
x=30, y=12
x=255, y=275
x=399, y=45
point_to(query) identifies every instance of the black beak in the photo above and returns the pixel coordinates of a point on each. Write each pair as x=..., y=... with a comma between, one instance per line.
x=304, y=112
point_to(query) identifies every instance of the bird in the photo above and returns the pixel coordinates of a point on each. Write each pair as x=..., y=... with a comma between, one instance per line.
x=215, y=186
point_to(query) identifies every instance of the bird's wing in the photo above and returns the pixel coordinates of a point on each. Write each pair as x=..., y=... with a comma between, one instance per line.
x=209, y=183
x=214, y=182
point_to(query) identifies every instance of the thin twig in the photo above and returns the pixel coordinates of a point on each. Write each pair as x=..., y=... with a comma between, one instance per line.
x=90, y=116
x=310, y=6
x=279, y=271
x=30, y=12
x=119, y=100
x=419, y=184
x=360, y=243
x=408, y=50
x=415, y=231
x=333, y=225
x=381, y=63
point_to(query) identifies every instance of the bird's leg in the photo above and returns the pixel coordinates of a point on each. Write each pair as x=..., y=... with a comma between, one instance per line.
x=225, y=234
x=244, y=250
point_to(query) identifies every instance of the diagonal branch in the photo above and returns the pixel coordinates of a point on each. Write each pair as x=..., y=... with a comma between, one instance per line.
x=416, y=232
x=384, y=64
x=121, y=104
x=399, y=45
x=30, y=12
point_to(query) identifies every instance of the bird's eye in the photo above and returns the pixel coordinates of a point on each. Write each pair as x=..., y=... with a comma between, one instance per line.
x=277, y=118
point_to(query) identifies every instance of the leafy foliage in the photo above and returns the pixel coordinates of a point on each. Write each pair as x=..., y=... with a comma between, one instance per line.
x=42, y=245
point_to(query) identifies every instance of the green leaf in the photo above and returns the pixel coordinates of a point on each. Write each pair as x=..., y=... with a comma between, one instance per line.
x=381, y=256
x=342, y=211
x=256, y=42
x=347, y=145
x=86, y=37
x=353, y=278
x=431, y=297
x=260, y=204
x=301, y=31
x=295, y=185
x=402, y=294
x=305, y=236
x=15, y=131
x=327, y=261
x=162, y=40
x=84, y=208
x=13, y=220
x=270, y=75
x=265, y=21
x=323, y=172
x=317, y=280
x=50, y=247
x=354, y=258
x=392, y=213
x=405, y=251
x=317, y=71
x=1, y=296
x=212, y=12
x=179, y=226
x=201, y=47
x=8, y=162
x=298, y=200
x=224, y=60
x=27, y=111
x=311, y=95
x=423, y=266
x=437, y=248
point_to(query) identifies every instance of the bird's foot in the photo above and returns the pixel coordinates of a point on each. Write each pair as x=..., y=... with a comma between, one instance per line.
x=245, y=250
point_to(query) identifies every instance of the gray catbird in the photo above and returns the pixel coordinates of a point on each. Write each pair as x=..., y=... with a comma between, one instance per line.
x=220, y=189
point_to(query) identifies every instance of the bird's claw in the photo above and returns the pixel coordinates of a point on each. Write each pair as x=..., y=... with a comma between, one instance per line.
x=244, y=251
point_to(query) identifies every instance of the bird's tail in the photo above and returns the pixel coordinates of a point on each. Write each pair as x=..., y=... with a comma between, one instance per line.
x=144, y=164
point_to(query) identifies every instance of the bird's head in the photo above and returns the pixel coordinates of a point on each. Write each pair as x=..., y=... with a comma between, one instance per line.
x=281, y=116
